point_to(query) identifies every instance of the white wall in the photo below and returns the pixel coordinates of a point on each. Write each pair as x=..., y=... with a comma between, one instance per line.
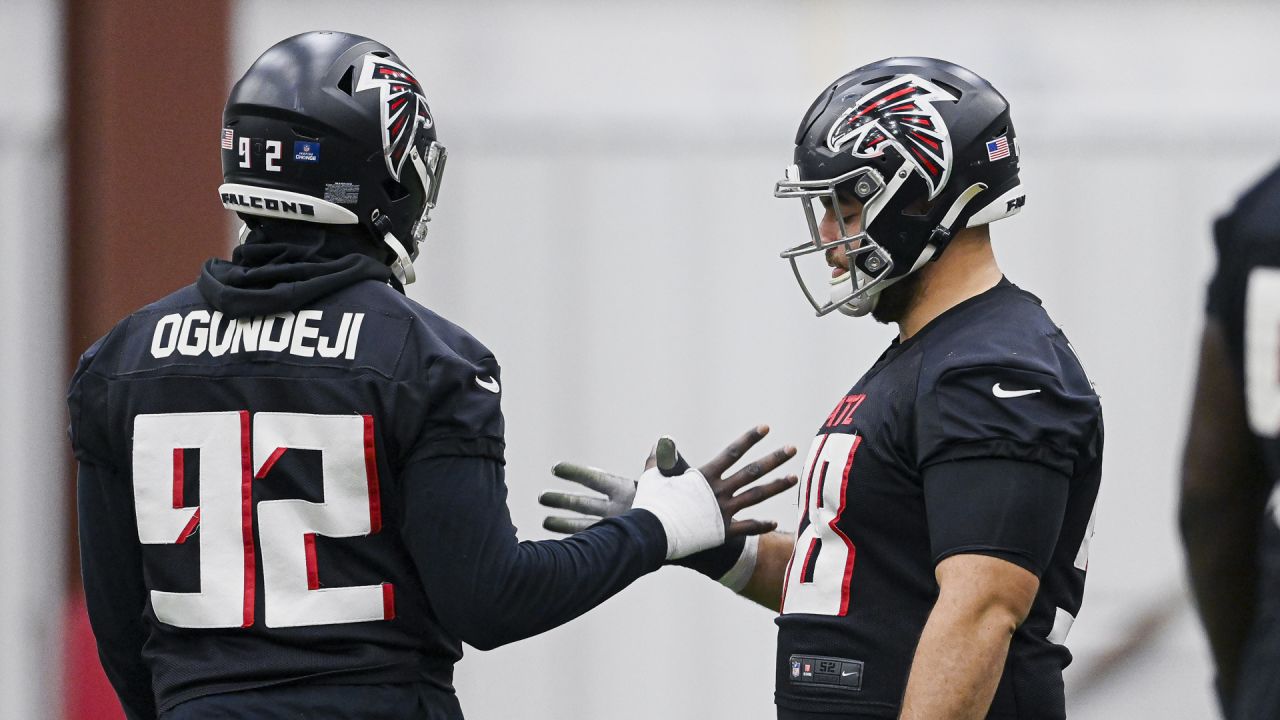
x=33, y=421
x=607, y=227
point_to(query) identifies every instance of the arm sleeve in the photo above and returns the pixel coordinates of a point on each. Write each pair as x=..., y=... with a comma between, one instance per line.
x=1009, y=509
x=111, y=566
x=485, y=586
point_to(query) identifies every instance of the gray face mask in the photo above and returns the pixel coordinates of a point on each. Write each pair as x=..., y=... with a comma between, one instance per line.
x=853, y=293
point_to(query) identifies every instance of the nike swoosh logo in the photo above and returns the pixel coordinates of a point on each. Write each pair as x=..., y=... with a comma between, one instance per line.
x=490, y=384
x=847, y=674
x=1002, y=393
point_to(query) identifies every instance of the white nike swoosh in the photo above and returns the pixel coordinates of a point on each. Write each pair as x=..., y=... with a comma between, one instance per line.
x=847, y=674
x=491, y=385
x=1002, y=393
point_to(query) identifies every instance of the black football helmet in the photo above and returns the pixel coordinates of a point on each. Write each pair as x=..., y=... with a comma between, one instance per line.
x=925, y=145
x=327, y=127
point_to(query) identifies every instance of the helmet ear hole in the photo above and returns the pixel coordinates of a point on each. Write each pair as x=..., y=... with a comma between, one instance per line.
x=345, y=83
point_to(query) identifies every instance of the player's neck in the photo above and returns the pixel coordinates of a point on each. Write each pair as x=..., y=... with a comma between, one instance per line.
x=967, y=268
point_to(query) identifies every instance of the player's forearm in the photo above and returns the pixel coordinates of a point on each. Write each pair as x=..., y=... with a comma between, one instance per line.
x=765, y=585
x=1221, y=545
x=489, y=589
x=958, y=662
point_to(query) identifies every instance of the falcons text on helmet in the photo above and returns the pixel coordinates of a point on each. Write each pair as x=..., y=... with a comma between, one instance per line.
x=899, y=113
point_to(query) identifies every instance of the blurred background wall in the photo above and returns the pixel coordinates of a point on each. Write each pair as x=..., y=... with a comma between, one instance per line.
x=607, y=227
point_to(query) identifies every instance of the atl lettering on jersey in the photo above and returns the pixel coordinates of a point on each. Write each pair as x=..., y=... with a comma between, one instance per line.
x=200, y=331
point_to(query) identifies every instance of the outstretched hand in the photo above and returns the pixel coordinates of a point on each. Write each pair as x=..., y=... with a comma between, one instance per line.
x=619, y=492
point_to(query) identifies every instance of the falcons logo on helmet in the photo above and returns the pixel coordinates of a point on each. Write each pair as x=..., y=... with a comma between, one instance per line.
x=404, y=108
x=899, y=113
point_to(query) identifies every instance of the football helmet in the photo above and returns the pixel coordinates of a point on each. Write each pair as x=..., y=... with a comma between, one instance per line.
x=926, y=147
x=327, y=127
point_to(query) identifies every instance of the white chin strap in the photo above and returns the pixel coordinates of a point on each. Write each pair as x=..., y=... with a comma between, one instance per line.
x=861, y=305
x=402, y=266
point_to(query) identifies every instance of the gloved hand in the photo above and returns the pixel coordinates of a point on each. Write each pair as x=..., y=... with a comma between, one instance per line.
x=696, y=507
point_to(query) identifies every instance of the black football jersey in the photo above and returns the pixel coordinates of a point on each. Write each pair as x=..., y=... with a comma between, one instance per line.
x=1244, y=296
x=979, y=434
x=259, y=458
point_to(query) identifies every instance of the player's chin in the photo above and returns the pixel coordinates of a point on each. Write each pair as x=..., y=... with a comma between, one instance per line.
x=896, y=299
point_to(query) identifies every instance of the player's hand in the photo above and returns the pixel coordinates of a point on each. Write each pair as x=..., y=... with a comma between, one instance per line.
x=726, y=489
x=620, y=492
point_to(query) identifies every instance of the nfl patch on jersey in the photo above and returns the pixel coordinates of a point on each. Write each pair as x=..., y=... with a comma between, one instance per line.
x=828, y=671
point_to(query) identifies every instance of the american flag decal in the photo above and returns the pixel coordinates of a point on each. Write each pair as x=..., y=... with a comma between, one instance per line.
x=228, y=138
x=998, y=149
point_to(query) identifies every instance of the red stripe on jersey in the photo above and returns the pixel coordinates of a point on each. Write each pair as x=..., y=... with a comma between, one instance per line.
x=371, y=474
x=806, y=569
x=309, y=547
x=835, y=527
x=179, y=468
x=808, y=488
x=246, y=516
x=190, y=528
x=270, y=463
x=388, y=601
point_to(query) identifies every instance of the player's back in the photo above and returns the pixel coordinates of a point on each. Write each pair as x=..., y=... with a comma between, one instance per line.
x=260, y=455
x=1244, y=296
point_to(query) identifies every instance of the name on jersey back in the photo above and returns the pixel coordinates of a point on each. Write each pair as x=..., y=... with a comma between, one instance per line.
x=200, y=331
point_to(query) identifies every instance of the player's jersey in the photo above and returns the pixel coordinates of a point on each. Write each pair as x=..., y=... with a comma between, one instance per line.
x=260, y=457
x=992, y=379
x=1244, y=296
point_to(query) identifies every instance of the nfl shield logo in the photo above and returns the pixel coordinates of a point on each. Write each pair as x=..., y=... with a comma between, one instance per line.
x=795, y=668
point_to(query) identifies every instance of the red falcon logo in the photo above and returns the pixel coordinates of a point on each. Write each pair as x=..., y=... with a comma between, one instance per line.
x=900, y=113
x=404, y=107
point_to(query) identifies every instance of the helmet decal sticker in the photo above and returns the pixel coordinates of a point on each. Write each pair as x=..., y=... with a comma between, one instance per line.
x=899, y=113
x=404, y=107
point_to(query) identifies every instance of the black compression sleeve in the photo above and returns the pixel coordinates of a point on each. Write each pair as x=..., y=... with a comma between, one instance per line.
x=1010, y=509
x=489, y=589
x=111, y=565
x=717, y=561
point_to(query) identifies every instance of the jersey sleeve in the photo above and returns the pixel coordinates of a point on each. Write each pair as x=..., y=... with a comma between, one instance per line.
x=1009, y=509
x=86, y=410
x=1011, y=412
x=487, y=587
x=114, y=591
x=460, y=410
x=1223, y=299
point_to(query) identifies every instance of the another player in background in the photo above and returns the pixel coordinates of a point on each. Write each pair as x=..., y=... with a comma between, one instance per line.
x=1232, y=459
x=291, y=492
x=947, y=501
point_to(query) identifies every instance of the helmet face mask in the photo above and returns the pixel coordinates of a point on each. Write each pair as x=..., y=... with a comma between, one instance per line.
x=332, y=128
x=926, y=146
x=860, y=249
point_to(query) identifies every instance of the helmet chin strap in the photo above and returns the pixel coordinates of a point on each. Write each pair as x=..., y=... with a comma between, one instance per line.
x=866, y=302
x=402, y=266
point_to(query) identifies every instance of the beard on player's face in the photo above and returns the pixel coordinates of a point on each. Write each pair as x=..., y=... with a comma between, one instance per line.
x=897, y=299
